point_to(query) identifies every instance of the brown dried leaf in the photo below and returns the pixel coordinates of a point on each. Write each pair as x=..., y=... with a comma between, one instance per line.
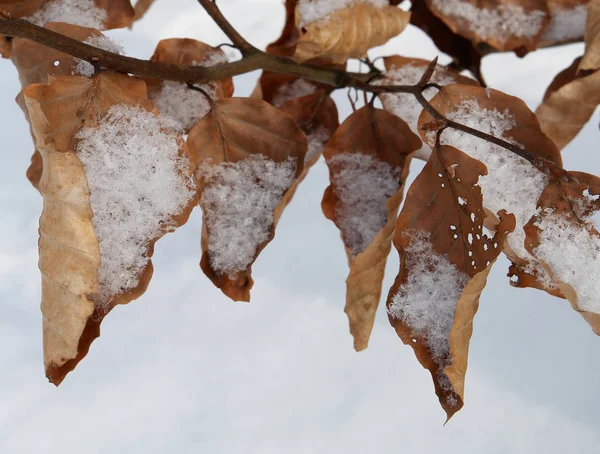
x=564, y=239
x=445, y=259
x=140, y=8
x=566, y=22
x=462, y=50
x=503, y=24
x=35, y=63
x=189, y=52
x=69, y=254
x=591, y=59
x=524, y=130
x=384, y=142
x=120, y=14
x=236, y=130
x=565, y=111
x=350, y=32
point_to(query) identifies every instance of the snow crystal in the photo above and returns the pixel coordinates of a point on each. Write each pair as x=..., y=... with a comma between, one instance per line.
x=183, y=105
x=86, y=69
x=427, y=301
x=296, y=89
x=573, y=255
x=313, y=10
x=405, y=105
x=84, y=13
x=566, y=24
x=512, y=183
x=238, y=201
x=502, y=22
x=363, y=184
x=316, y=142
x=137, y=182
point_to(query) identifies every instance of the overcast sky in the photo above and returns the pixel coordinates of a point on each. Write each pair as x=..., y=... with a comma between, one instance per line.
x=185, y=370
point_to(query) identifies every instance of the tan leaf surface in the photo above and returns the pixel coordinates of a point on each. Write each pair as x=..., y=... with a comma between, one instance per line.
x=591, y=58
x=141, y=7
x=565, y=240
x=35, y=63
x=503, y=24
x=383, y=141
x=120, y=14
x=185, y=51
x=350, y=32
x=238, y=130
x=445, y=259
x=566, y=110
x=509, y=118
x=69, y=253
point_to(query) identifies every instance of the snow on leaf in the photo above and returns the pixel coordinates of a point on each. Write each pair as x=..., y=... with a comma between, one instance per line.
x=246, y=155
x=368, y=159
x=567, y=21
x=75, y=298
x=565, y=240
x=174, y=99
x=445, y=258
x=512, y=183
x=504, y=24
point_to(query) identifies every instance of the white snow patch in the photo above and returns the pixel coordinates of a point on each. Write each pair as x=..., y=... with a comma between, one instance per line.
x=502, y=22
x=84, y=13
x=137, y=183
x=83, y=68
x=313, y=10
x=183, y=105
x=405, y=105
x=512, y=183
x=363, y=184
x=238, y=202
x=427, y=301
x=566, y=24
x=573, y=255
x=316, y=142
x=296, y=89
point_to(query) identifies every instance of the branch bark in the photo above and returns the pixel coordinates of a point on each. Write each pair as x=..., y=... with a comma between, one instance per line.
x=252, y=59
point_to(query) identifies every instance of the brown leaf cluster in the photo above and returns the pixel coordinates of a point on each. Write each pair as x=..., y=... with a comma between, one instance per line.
x=386, y=138
x=525, y=131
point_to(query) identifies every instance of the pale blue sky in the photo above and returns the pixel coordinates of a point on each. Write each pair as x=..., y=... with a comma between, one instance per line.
x=185, y=370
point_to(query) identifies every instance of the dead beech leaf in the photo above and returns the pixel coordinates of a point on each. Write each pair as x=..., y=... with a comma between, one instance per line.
x=591, y=58
x=512, y=183
x=408, y=71
x=564, y=239
x=350, y=32
x=368, y=159
x=566, y=110
x=175, y=99
x=246, y=155
x=140, y=8
x=35, y=63
x=74, y=301
x=445, y=259
x=119, y=13
x=464, y=53
x=503, y=24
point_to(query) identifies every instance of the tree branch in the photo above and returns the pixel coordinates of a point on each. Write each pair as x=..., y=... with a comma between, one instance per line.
x=252, y=59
